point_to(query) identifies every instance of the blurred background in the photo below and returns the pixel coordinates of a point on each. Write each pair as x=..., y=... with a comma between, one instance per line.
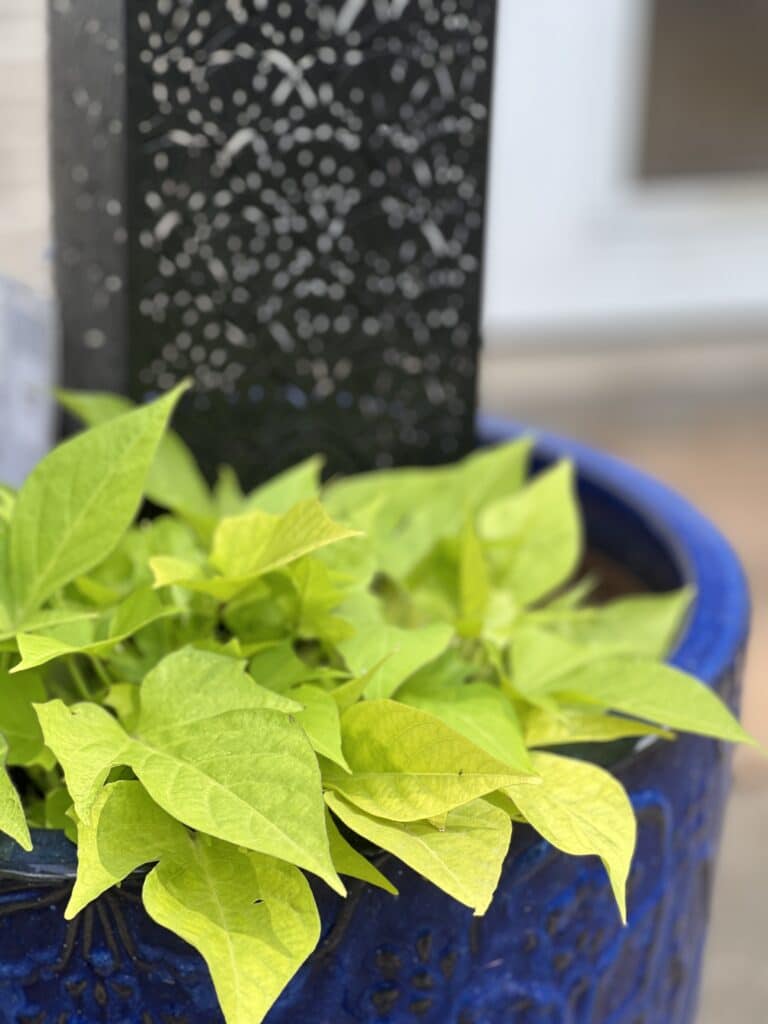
x=626, y=294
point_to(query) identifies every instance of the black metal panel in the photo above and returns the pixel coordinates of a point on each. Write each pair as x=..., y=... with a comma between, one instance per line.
x=305, y=205
x=88, y=160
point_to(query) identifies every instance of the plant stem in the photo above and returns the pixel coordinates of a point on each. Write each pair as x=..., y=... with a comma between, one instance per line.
x=101, y=672
x=78, y=679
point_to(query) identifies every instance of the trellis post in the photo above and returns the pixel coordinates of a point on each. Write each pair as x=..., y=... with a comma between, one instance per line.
x=284, y=199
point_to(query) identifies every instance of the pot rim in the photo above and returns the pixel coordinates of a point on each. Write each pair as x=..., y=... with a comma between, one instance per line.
x=714, y=636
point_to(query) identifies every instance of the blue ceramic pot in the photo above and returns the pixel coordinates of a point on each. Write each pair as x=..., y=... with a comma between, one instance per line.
x=550, y=951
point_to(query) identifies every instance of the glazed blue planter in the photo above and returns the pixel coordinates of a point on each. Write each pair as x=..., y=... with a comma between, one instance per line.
x=551, y=949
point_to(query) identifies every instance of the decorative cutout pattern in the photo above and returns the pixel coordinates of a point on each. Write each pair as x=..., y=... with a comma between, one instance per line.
x=305, y=204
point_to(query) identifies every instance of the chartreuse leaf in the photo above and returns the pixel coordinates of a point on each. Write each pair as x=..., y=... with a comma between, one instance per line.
x=464, y=857
x=247, y=775
x=6, y=596
x=125, y=830
x=478, y=711
x=481, y=477
x=535, y=536
x=363, y=609
x=200, y=685
x=356, y=560
x=252, y=918
x=351, y=691
x=493, y=472
x=12, y=818
x=223, y=769
x=78, y=502
x=228, y=497
x=264, y=614
x=7, y=501
x=319, y=592
x=58, y=807
x=398, y=510
x=432, y=592
x=406, y=511
x=87, y=742
x=568, y=725
x=540, y=659
x=320, y=719
x=18, y=721
x=474, y=583
x=654, y=692
x=246, y=547
x=352, y=864
x=53, y=618
x=93, y=636
x=398, y=653
x=281, y=493
x=582, y=809
x=407, y=765
x=278, y=667
x=643, y=624
x=127, y=569
x=249, y=546
x=123, y=698
x=171, y=571
x=547, y=667
x=211, y=756
x=175, y=481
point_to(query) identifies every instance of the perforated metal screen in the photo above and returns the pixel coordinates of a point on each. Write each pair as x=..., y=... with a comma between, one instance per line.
x=303, y=208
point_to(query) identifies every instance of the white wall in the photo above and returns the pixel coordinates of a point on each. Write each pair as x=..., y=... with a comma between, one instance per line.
x=24, y=208
x=577, y=247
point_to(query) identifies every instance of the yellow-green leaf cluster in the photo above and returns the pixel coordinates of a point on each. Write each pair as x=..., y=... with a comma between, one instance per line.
x=309, y=678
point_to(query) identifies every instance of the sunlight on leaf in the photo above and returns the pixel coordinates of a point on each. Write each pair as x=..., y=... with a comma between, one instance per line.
x=407, y=765
x=78, y=502
x=252, y=918
x=582, y=810
x=463, y=858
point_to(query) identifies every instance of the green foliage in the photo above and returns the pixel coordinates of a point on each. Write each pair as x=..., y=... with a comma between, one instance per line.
x=215, y=757
x=463, y=857
x=350, y=862
x=391, y=655
x=565, y=726
x=582, y=809
x=78, y=502
x=92, y=635
x=534, y=537
x=12, y=819
x=252, y=545
x=311, y=679
x=408, y=765
x=252, y=917
x=480, y=711
x=174, y=481
x=19, y=726
x=643, y=624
